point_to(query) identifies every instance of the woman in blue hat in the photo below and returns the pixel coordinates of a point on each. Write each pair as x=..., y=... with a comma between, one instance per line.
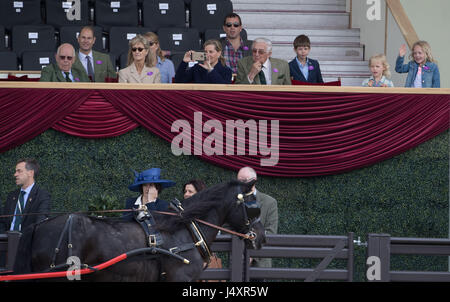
x=150, y=185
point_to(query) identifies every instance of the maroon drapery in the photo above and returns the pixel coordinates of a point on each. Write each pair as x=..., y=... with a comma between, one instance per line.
x=319, y=133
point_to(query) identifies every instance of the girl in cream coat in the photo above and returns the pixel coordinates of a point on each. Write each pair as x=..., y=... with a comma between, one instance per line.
x=141, y=67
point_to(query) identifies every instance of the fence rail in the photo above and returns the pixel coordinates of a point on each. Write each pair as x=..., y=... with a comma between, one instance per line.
x=383, y=246
x=326, y=248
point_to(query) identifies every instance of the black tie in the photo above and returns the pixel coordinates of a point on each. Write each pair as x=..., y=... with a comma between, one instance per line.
x=19, y=210
x=67, y=77
x=90, y=71
x=262, y=77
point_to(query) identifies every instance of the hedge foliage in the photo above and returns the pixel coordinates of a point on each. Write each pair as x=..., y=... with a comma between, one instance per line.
x=404, y=196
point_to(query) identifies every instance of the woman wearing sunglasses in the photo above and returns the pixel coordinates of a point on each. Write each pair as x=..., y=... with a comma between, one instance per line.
x=141, y=67
x=211, y=71
x=165, y=66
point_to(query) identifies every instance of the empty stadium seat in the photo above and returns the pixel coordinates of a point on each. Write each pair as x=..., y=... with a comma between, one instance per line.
x=8, y=60
x=209, y=14
x=3, y=45
x=69, y=34
x=116, y=13
x=23, y=12
x=163, y=13
x=57, y=10
x=33, y=38
x=179, y=39
x=36, y=60
x=119, y=38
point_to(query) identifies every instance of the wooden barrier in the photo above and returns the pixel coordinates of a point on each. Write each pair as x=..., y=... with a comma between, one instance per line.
x=326, y=248
x=384, y=246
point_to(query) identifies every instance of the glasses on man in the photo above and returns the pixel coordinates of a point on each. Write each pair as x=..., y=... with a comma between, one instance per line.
x=232, y=24
x=66, y=57
x=140, y=49
x=259, y=51
x=151, y=43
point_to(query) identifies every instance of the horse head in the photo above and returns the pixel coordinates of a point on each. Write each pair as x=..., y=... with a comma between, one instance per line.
x=244, y=214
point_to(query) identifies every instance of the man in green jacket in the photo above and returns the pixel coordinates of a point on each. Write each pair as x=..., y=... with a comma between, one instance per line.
x=260, y=68
x=96, y=65
x=269, y=211
x=62, y=71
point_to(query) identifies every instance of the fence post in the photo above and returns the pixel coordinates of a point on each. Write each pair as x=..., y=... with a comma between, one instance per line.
x=237, y=254
x=13, y=244
x=379, y=246
x=350, y=262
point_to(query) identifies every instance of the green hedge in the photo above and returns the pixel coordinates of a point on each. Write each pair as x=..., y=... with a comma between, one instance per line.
x=404, y=196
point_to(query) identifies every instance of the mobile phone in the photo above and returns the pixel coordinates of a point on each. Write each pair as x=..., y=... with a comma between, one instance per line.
x=198, y=56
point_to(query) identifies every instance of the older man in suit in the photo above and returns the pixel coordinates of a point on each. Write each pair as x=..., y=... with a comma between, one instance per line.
x=96, y=65
x=260, y=68
x=269, y=211
x=29, y=198
x=62, y=71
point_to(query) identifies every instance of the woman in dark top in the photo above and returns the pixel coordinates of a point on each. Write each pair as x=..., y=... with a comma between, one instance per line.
x=212, y=71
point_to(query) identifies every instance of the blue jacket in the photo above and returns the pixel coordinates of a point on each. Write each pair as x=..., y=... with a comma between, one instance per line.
x=197, y=74
x=314, y=73
x=430, y=73
x=158, y=205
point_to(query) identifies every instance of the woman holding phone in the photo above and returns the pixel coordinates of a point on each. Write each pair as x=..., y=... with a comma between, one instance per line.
x=211, y=71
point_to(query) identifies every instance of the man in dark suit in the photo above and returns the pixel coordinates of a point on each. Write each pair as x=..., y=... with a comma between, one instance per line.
x=303, y=68
x=96, y=65
x=260, y=68
x=63, y=71
x=269, y=211
x=234, y=47
x=29, y=199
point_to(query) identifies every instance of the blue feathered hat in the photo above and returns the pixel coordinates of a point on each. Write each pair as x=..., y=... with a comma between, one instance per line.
x=152, y=175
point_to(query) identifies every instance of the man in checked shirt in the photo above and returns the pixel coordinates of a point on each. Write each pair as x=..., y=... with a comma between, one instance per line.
x=234, y=47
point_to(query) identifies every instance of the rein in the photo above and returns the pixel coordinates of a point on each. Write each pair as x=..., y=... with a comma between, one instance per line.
x=245, y=236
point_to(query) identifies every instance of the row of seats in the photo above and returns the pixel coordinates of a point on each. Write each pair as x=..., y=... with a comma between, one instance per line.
x=152, y=14
x=45, y=38
x=36, y=60
x=33, y=47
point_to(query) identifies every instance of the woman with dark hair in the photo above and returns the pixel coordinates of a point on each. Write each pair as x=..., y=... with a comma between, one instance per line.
x=192, y=187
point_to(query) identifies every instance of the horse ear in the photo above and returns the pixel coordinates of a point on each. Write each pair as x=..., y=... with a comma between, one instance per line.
x=249, y=185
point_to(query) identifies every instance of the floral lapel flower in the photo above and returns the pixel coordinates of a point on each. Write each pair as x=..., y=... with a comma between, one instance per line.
x=275, y=70
x=426, y=68
x=310, y=67
x=149, y=73
x=245, y=48
x=99, y=62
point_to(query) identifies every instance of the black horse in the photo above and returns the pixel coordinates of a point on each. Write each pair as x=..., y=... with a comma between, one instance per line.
x=96, y=240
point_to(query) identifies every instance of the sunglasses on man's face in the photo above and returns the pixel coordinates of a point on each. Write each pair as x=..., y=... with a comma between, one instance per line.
x=140, y=49
x=232, y=24
x=64, y=57
x=259, y=51
x=151, y=43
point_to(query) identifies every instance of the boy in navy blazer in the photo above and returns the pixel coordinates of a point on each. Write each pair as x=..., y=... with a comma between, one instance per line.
x=303, y=68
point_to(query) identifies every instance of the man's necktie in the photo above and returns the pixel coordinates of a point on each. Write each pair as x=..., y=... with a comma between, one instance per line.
x=262, y=78
x=19, y=210
x=90, y=70
x=67, y=77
